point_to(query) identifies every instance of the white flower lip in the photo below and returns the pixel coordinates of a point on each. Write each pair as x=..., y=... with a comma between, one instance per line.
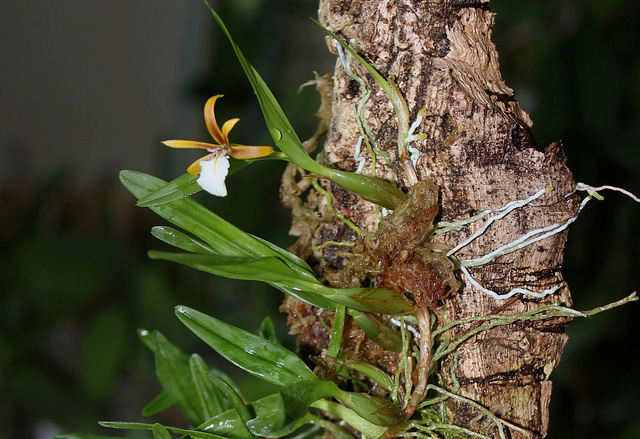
x=213, y=174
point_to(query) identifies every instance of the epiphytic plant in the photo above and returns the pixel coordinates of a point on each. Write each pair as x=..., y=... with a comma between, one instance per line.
x=397, y=306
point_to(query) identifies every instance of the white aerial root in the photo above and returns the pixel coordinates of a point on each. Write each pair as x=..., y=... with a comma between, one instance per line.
x=593, y=191
x=414, y=152
x=357, y=157
x=413, y=330
x=525, y=240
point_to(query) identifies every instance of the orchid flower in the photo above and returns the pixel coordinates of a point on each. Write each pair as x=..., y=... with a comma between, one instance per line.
x=214, y=167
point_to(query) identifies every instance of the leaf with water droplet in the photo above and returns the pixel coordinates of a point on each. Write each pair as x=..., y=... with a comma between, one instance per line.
x=370, y=188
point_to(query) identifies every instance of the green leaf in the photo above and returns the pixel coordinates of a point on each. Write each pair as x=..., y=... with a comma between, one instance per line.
x=349, y=416
x=161, y=402
x=317, y=432
x=276, y=273
x=148, y=338
x=84, y=436
x=371, y=371
x=228, y=424
x=270, y=416
x=298, y=396
x=160, y=432
x=210, y=397
x=266, y=269
x=370, y=188
x=378, y=330
x=181, y=187
x=391, y=90
x=279, y=126
x=336, y=332
x=126, y=425
x=236, y=401
x=226, y=386
x=386, y=86
x=187, y=184
x=376, y=410
x=264, y=430
x=268, y=331
x=178, y=239
x=377, y=300
x=223, y=237
x=172, y=369
x=286, y=256
x=149, y=427
x=258, y=356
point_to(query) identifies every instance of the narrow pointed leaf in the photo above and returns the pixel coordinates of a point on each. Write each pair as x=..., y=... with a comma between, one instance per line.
x=181, y=187
x=373, y=72
x=187, y=184
x=266, y=269
x=161, y=402
x=149, y=427
x=268, y=331
x=223, y=237
x=376, y=300
x=276, y=273
x=211, y=399
x=174, y=374
x=287, y=257
x=336, y=332
x=228, y=386
x=370, y=188
x=279, y=126
x=371, y=371
x=148, y=338
x=178, y=239
x=235, y=400
x=84, y=436
x=258, y=356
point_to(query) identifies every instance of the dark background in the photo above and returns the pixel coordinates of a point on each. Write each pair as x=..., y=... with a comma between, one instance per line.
x=89, y=88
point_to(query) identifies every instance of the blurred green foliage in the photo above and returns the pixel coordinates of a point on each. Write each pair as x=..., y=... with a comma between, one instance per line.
x=75, y=282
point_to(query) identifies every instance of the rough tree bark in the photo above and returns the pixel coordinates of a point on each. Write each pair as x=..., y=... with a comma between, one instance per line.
x=481, y=155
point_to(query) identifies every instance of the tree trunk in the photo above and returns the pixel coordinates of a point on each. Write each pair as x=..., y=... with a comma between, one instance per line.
x=481, y=155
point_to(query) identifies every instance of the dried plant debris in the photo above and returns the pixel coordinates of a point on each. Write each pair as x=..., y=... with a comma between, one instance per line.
x=399, y=256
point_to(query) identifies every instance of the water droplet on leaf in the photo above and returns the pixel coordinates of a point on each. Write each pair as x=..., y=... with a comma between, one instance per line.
x=276, y=134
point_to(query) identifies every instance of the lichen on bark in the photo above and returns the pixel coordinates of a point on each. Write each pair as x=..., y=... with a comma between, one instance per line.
x=480, y=155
